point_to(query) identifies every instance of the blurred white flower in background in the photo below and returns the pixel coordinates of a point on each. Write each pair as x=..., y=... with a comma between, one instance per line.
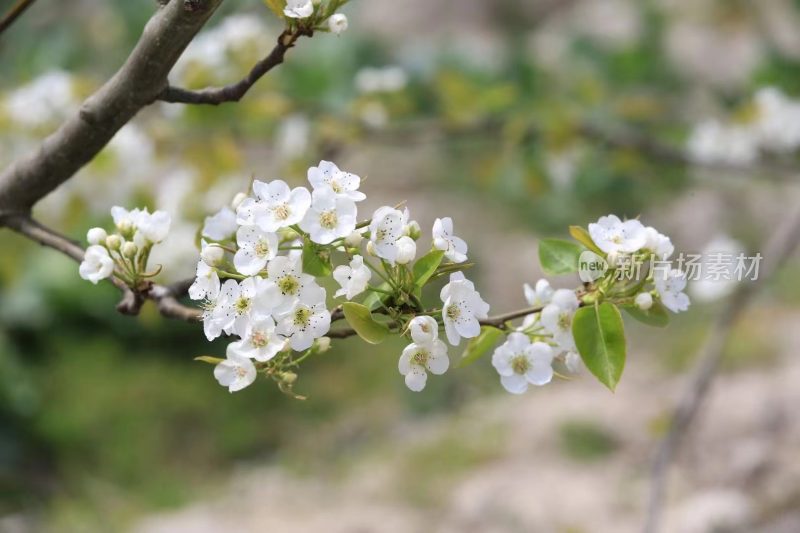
x=45, y=100
x=292, y=137
x=710, y=290
x=387, y=79
x=712, y=142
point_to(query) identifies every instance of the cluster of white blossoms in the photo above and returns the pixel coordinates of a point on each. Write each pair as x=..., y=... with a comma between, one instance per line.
x=125, y=252
x=771, y=123
x=304, y=9
x=546, y=335
x=45, y=100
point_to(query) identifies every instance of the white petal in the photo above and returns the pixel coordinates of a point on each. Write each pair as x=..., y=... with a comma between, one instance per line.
x=515, y=383
x=416, y=379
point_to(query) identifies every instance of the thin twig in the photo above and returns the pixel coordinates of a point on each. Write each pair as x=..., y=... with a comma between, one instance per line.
x=235, y=91
x=14, y=13
x=778, y=250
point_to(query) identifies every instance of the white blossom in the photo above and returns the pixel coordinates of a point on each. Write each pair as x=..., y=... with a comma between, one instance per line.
x=424, y=329
x=659, y=244
x=338, y=23
x=96, y=236
x=711, y=142
x=520, y=363
x=386, y=79
x=307, y=320
x=236, y=372
x=206, y=285
x=330, y=217
x=260, y=341
x=293, y=284
x=572, y=360
x=328, y=176
x=221, y=225
x=256, y=247
x=385, y=229
x=455, y=249
x=237, y=304
x=96, y=265
x=275, y=206
x=557, y=317
x=644, y=301
x=152, y=228
x=298, y=9
x=461, y=309
x=537, y=296
x=406, y=250
x=211, y=254
x=353, y=278
x=418, y=359
x=670, y=286
x=48, y=98
x=778, y=121
x=610, y=234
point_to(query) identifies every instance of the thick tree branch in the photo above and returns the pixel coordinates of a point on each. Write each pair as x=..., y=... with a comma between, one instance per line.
x=14, y=13
x=136, y=84
x=165, y=297
x=778, y=250
x=235, y=91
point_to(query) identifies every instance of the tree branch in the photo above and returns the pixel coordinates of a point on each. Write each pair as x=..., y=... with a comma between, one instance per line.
x=165, y=297
x=778, y=250
x=136, y=84
x=235, y=91
x=14, y=13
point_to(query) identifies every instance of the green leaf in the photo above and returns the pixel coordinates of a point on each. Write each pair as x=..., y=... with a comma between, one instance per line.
x=582, y=236
x=315, y=260
x=600, y=339
x=656, y=316
x=208, y=359
x=558, y=256
x=360, y=318
x=425, y=267
x=479, y=345
x=374, y=298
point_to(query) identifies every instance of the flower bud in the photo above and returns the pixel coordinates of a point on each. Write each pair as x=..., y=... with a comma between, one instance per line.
x=129, y=250
x=371, y=249
x=644, y=301
x=337, y=23
x=96, y=236
x=237, y=200
x=126, y=227
x=323, y=344
x=212, y=255
x=114, y=242
x=406, y=250
x=288, y=377
x=412, y=230
x=354, y=239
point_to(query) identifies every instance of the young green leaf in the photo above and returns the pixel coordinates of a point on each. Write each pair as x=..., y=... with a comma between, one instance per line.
x=315, y=262
x=656, y=316
x=360, y=318
x=558, y=256
x=600, y=339
x=479, y=345
x=583, y=237
x=425, y=266
x=208, y=359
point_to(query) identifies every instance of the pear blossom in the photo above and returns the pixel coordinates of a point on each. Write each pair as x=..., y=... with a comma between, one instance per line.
x=572, y=360
x=221, y=226
x=256, y=247
x=217, y=315
x=206, y=285
x=307, y=320
x=610, y=234
x=293, y=284
x=330, y=217
x=644, y=301
x=406, y=250
x=670, y=286
x=418, y=359
x=236, y=372
x=537, y=296
x=338, y=23
x=659, y=244
x=557, y=316
x=386, y=79
x=96, y=236
x=521, y=362
x=461, y=309
x=455, y=249
x=275, y=206
x=152, y=228
x=125, y=220
x=424, y=329
x=778, y=121
x=328, y=176
x=711, y=142
x=298, y=9
x=211, y=254
x=96, y=265
x=238, y=303
x=353, y=278
x=259, y=340
x=385, y=229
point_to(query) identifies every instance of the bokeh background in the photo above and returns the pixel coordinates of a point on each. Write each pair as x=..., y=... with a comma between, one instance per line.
x=514, y=118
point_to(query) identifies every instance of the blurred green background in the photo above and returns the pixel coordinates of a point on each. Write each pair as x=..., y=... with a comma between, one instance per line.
x=516, y=119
